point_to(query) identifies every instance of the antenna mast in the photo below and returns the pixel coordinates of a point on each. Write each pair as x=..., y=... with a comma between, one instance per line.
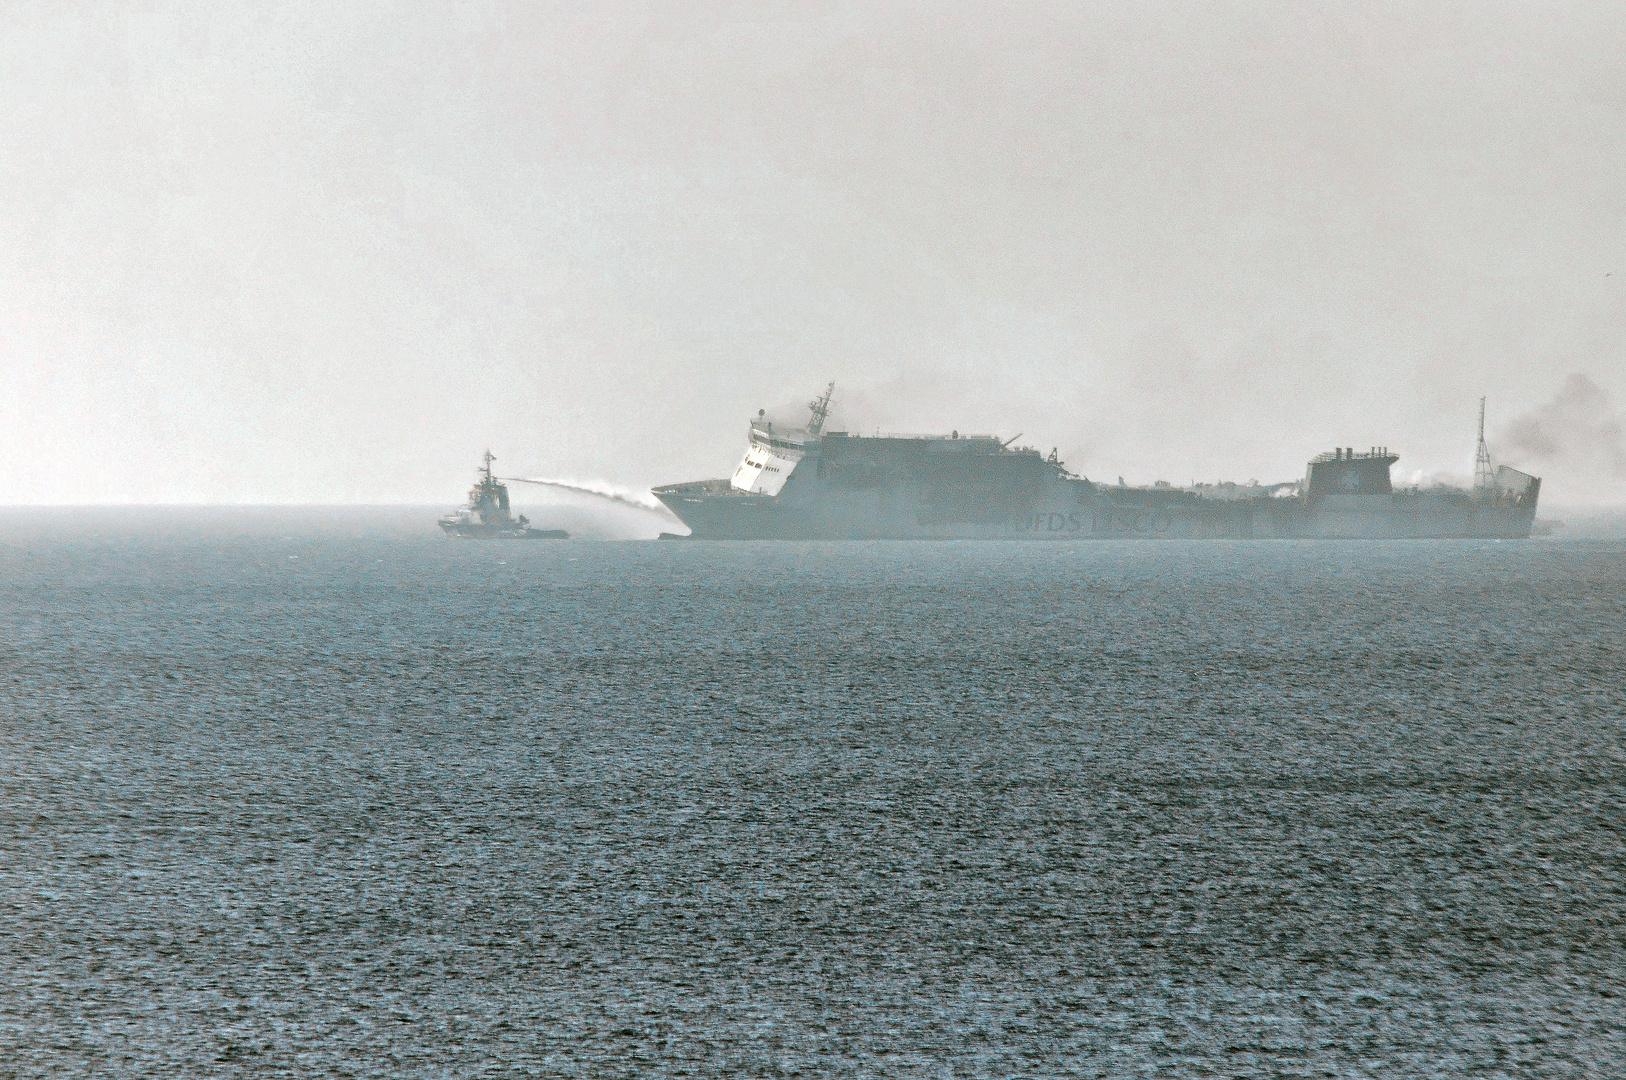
x=1484, y=475
x=489, y=459
x=821, y=408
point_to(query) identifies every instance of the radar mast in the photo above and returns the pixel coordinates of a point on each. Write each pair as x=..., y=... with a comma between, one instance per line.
x=820, y=408
x=1484, y=474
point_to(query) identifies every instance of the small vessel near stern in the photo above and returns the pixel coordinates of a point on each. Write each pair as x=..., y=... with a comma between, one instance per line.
x=487, y=517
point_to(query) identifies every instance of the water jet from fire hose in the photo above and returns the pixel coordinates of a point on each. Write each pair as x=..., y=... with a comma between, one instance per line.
x=638, y=500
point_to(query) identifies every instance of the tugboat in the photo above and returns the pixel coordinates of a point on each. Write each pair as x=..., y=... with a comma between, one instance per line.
x=487, y=517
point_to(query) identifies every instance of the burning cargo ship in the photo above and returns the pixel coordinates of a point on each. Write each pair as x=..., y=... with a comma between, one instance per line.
x=808, y=484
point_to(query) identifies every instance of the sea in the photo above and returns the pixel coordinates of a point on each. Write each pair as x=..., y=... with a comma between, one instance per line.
x=321, y=793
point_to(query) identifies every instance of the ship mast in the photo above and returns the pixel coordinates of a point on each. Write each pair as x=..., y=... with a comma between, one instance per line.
x=821, y=409
x=1484, y=475
x=488, y=460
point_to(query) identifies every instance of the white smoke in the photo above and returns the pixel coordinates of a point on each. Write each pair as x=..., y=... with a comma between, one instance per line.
x=1441, y=479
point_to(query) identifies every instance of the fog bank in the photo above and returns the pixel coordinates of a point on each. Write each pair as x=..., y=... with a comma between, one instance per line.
x=319, y=253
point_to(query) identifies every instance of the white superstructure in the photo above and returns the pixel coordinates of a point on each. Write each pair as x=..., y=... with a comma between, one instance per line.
x=771, y=456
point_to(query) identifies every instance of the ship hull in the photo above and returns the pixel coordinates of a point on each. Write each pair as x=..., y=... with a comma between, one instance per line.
x=723, y=517
x=459, y=531
x=1069, y=508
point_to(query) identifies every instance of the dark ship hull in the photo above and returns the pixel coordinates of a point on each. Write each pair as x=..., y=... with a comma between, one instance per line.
x=804, y=485
x=1103, y=513
x=475, y=531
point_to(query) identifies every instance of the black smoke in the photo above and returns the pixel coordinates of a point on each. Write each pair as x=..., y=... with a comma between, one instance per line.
x=1577, y=430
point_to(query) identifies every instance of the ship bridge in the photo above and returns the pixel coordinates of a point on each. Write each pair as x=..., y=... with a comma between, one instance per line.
x=772, y=455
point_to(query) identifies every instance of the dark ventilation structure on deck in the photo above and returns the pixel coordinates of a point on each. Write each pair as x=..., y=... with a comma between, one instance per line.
x=1344, y=472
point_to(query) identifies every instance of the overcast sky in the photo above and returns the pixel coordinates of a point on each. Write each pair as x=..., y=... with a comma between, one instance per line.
x=330, y=252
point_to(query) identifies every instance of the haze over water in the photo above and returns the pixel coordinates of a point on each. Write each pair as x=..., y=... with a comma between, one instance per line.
x=319, y=253
x=325, y=794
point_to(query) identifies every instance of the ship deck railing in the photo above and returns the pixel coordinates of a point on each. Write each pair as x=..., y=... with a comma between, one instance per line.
x=907, y=435
x=1377, y=453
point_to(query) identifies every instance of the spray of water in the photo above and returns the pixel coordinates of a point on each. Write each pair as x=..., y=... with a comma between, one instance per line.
x=639, y=500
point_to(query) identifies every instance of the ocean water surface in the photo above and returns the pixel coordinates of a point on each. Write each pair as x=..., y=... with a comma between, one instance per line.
x=324, y=794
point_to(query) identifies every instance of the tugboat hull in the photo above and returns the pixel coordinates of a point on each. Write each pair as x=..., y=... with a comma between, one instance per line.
x=480, y=532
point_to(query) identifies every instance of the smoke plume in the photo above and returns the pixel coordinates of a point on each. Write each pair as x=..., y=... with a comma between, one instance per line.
x=1576, y=430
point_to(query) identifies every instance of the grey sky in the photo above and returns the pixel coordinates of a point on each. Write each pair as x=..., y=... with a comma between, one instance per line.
x=329, y=252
